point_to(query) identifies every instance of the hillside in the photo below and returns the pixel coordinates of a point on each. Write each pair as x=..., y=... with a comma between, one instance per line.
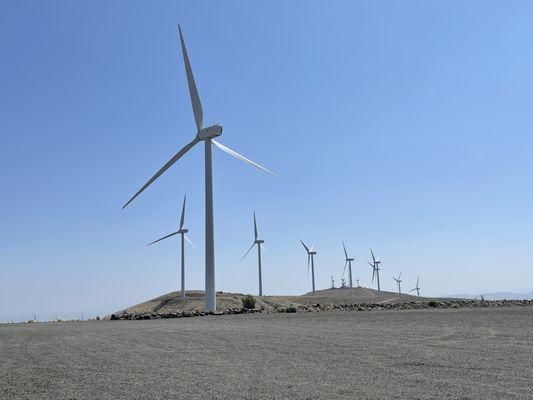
x=171, y=302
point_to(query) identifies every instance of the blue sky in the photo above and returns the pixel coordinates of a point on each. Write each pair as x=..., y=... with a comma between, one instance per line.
x=401, y=126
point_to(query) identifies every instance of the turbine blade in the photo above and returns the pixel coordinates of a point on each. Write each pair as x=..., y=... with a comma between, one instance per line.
x=182, y=220
x=240, y=157
x=373, y=258
x=412, y=290
x=263, y=247
x=191, y=243
x=344, y=270
x=255, y=227
x=305, y=247
x=176, y=157
x=400, y=276
x=245, y=254
x=164, y=237
x=193, y=91
x=345, y=252
x=417, y=281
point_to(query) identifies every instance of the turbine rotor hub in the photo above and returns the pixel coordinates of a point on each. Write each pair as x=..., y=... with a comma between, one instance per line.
x=210, y=132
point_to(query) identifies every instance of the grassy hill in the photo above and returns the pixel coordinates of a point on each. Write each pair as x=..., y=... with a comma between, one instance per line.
x=171, y=302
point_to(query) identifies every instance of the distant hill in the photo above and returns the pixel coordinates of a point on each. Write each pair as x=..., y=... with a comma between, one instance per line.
x=496, y=296
x=171, y=302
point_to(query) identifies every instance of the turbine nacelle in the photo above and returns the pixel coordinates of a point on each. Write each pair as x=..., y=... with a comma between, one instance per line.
x=209, y=133
x=259, y=241
x=183, y=230
x=312, y=253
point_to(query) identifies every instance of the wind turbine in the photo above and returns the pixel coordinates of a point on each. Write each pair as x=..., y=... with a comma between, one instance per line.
x=259, y=243
x=416, y=287
x=311, y=253
x=207, y=135
x=399, y=282
x=181, y=231
x=375, y=266
x=348, y=262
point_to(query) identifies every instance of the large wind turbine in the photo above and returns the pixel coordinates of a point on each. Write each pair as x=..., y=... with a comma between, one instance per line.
x=416, y=287
x=259, y=243
x=207, y=135
x=375, y=268
x=310, y=258
x=399, y=282
x=182, y=231
x=348, y=262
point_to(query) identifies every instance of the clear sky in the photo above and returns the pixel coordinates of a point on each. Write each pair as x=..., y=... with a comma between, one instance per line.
x=401, y=126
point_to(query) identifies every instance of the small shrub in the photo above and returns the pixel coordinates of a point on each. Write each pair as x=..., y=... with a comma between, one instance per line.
x=432, y=303
x=291, y=309
x=248, y=302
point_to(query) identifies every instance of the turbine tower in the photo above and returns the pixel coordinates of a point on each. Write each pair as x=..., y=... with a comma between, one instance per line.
x=416, y=287
x=348, y=262
x=259, y=244
x=206, y=135
x=311, y=253
x=399, y=282
x=375, y=268
x=182, y=231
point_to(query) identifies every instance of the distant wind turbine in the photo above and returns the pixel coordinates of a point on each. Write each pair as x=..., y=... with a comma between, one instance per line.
x=416, y=287
x=181, y=231
x=259, y=243
x=375, y=268
x=311, y=253
x=207, y=135
x=348, y=262
x=399, y=282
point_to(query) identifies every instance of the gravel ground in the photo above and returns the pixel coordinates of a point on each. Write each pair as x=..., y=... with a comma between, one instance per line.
x=419, y=354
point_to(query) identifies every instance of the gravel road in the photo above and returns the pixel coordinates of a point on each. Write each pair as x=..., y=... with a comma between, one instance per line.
x=417, y=354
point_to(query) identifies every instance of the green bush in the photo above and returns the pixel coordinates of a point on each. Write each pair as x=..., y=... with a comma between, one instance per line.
x=248, y=302
x=291, y=309
x=432, y=303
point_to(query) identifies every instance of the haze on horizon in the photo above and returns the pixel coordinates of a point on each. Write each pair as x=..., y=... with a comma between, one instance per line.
x=404, y=128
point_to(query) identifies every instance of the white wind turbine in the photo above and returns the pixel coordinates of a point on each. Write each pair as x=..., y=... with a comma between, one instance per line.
x=311, y=253
x=399, y=282
x=182, y=231
x=416, y=287
x=207, y=135
x=348, y=262
x=375, y=268
x=259, y=243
